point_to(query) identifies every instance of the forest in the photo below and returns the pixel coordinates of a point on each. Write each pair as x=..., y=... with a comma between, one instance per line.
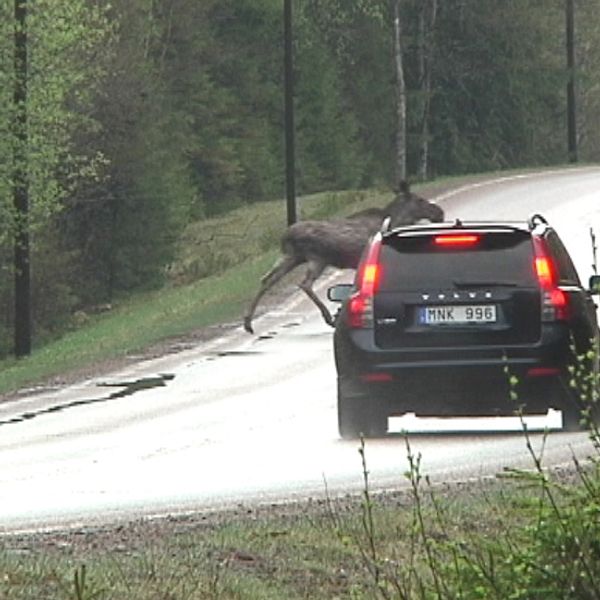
x=141, y=117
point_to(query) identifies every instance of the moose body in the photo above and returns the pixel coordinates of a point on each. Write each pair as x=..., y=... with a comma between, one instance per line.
x=339, y=243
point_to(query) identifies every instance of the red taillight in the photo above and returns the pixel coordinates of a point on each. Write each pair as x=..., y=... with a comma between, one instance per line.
x=370, y=278
x=359, y=308
x=462, y=239
x=554, y=300
x=360, y=304
x=558, y=298
x=543, y=372
x=544, y=271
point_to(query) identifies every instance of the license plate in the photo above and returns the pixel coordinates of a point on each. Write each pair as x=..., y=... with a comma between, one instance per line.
x=458, y=314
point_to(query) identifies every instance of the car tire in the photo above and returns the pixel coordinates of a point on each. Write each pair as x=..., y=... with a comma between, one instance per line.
x=360, y=417
x=578, y=415
x=571, y=416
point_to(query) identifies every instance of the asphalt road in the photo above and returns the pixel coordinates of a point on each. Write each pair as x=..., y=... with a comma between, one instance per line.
x=251, y=419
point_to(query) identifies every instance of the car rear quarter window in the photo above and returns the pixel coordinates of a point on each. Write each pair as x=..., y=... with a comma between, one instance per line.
x=567, y=273
x=415, y=262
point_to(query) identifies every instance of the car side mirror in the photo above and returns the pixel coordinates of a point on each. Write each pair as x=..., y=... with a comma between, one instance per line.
x=595, y=284
x=339, y=292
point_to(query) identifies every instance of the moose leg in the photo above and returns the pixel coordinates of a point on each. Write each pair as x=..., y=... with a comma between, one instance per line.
x=314, y=271
x=281, y=268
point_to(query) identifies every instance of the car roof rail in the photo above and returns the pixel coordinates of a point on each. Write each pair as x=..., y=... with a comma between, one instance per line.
x=386, y=225
x=536, y=220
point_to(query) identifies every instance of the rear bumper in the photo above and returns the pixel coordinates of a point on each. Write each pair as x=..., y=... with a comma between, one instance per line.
x=456, y=380
x=459, y=394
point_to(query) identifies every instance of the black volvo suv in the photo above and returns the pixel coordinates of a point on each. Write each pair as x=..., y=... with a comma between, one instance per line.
x=459, y=319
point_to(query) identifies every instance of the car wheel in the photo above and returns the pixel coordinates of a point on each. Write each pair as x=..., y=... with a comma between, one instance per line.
x=571, y=416
x=360, y=416
x=349, y=424
x=578, y=415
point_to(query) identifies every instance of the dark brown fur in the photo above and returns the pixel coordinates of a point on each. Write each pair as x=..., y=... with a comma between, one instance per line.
x=339, y=243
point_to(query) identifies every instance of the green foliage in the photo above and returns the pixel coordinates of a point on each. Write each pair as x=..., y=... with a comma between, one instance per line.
x=53, y=288
x=359, y=38
x=67, y=51
x=588, y=86
x=146, y=116
x=68, y=45
x=123, y=227
x=83, y=590
x=499, y=79
x=554, y=556
x=327, y=130
x=243, y=162
x=151, y=202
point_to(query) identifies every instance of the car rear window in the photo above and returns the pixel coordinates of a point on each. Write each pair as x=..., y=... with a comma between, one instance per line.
x=416, y=262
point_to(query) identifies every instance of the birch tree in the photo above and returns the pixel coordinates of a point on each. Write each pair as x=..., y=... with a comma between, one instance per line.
x=400, y=97
x=50, y=59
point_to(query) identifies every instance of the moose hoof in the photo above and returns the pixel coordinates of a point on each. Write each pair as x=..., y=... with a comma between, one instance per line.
x=329, y=320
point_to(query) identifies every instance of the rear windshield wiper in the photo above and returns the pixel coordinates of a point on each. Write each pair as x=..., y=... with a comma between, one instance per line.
x=483, y=284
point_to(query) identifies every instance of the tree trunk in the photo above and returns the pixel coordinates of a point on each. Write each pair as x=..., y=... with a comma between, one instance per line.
x=21, y=187
x=400, y=98
x=426, y=49
x=290, y=160
x=571, y=110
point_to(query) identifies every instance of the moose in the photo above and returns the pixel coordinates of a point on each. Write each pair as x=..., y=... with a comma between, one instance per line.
x=339, y=243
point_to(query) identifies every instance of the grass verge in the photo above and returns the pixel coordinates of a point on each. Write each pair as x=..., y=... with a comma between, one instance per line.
x=139, y=322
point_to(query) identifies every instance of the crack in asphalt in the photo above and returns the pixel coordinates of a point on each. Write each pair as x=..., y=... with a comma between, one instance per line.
x=126, y=388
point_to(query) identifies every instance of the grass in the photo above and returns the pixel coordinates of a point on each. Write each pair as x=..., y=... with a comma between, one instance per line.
x=139, y=322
